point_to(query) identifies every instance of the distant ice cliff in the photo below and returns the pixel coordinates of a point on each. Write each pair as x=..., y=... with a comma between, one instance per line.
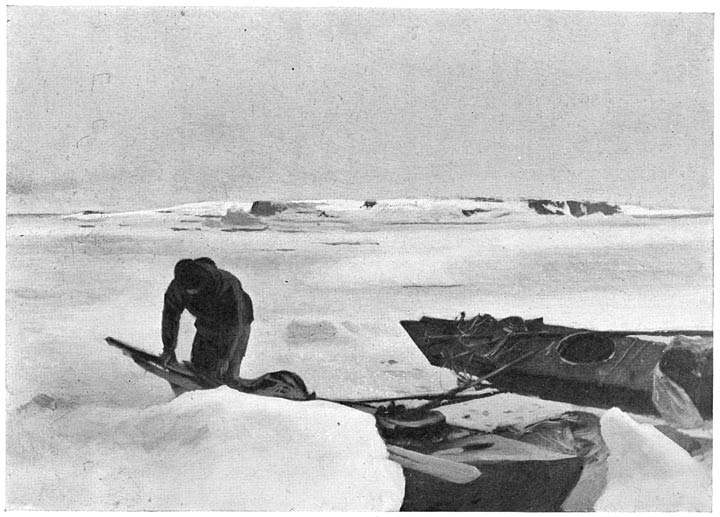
x=476, y=210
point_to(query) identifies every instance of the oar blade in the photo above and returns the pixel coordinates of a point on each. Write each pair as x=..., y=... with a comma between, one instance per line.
x=448, y=470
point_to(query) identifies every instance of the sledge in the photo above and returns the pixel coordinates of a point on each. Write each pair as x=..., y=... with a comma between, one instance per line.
x=580, y=366
x=282, y=383
x=447, y=467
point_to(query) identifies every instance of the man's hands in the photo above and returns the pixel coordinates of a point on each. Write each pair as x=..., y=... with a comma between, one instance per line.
x=167, y=357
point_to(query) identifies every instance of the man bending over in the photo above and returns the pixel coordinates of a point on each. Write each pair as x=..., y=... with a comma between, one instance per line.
x=223, y=313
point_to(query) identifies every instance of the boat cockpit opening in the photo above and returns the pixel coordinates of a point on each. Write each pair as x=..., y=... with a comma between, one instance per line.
x=586, y=348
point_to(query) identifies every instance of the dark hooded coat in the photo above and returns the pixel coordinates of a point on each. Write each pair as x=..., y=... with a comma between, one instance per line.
x=223, y=313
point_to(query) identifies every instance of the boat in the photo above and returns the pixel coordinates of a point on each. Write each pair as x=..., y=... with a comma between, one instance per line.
x=511, y=473
x=516, y=475
x=586, y=367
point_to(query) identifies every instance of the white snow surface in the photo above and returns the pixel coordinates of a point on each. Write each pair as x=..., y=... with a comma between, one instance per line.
x=641, y=211
x=328, y=301
x=211, y=450
x=648, y=472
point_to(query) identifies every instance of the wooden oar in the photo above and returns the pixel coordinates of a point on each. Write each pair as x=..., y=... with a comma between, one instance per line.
x=448, y=470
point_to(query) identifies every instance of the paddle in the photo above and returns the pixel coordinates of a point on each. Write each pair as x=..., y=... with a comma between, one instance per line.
x=448, y=470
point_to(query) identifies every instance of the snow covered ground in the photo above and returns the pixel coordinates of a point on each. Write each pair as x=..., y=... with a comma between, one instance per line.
x=329, y=293
x=211, y=450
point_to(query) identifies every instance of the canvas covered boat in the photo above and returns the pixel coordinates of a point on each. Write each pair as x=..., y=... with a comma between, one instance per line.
x=581, y=366
x=520, y=475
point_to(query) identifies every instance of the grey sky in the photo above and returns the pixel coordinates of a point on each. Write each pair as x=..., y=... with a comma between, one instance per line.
x=126, y=108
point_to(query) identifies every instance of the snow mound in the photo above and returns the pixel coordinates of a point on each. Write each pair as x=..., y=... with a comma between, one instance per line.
x=240, y=218
x=310, y=330
x=210, y=450
x=648, y=472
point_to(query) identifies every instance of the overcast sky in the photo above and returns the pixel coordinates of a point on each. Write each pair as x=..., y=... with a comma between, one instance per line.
x=113, y=108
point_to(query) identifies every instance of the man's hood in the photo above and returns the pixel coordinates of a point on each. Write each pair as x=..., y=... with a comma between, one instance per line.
x=198, y=274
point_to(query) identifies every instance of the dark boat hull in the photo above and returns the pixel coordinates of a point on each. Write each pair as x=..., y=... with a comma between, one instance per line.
x=576, y=392
x=599, y=369
x=526, y=486
x=515, y=476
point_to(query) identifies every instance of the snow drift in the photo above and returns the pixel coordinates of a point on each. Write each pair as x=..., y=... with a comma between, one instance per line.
x=210, y=450
x=649, y=472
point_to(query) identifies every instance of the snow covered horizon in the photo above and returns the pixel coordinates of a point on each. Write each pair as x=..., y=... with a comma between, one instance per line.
x=394, y=210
